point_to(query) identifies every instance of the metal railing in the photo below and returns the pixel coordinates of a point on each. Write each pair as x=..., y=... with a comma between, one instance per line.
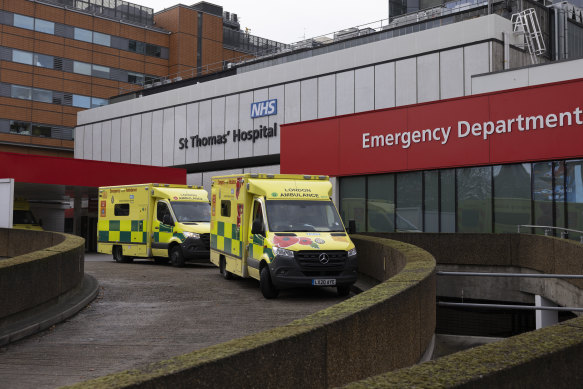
x=549, y=229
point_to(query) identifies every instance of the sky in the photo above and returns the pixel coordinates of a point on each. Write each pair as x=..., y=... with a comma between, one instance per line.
x=291, y=21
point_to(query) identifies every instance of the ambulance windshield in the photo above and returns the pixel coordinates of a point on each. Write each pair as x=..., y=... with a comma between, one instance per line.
x=190, y=211
x=303, y=216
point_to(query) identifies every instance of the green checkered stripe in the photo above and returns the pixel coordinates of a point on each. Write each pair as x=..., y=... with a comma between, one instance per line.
x=226, y=237
x=257, y=248
x=123, y=231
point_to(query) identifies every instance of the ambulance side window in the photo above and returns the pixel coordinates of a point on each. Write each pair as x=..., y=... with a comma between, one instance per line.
x=226, y=208
x=121, y=210
x=258, y=227
x=163, y=211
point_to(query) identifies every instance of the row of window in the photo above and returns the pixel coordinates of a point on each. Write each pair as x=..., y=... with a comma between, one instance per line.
x=475, y=199
x=36, y=129
x=49, y=96
x=65, y=64
x=80, y=34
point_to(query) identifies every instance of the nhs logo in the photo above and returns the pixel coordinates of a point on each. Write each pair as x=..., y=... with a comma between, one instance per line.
x=264, y=108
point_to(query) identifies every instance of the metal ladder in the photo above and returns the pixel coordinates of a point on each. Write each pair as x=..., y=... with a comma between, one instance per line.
x=526, y=23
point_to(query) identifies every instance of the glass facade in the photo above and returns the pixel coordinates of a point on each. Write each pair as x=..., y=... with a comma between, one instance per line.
x=484, y=199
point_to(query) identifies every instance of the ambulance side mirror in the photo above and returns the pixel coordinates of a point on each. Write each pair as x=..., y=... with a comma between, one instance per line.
x=167, y=219
x=257, y=227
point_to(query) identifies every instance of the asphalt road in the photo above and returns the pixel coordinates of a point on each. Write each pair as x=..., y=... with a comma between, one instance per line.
x=147, y=312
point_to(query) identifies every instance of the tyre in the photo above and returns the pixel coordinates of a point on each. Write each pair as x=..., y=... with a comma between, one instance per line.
x=343, y=290
x=176, y=257
x=227, y=275
x=267, y=288
x=118, y=256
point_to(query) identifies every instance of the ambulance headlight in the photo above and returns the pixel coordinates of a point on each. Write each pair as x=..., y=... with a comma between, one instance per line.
x=279, y=252
x=352, y=252
x=191, y=235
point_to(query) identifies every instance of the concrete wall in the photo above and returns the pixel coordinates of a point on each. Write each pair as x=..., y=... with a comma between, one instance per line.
x=41, y=266
x=385, y=328
x=544, y=358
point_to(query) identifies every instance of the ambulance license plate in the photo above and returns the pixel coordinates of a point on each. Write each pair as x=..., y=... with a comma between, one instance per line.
x=321, y=282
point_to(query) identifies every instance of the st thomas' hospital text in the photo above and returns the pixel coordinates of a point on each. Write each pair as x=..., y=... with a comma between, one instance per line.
x=483, y=130
x=238, y=136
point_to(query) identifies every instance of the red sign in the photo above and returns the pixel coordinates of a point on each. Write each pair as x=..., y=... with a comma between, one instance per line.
x=528, y=124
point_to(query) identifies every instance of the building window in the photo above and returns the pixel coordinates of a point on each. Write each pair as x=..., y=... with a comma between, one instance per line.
x=431, y=201
x=23, y=22
x=40, y=130
x=44, y=26
x=410, y=201
x=83, y=35
x=18, y=127
x=135, y=78
x=574, y=194
x=21, y=92
x=512, y=194
x=380, y=203
x=474, y=194
x=101, y=71
x=43, y=61
x=447, y=200
x=82, y=68
x=97, y=102
x=353, y=200
x=22, y=57
x=137, y=47
x=542, y=194
x=81, y=101
x=153, y=50
x=101, y=39
x=42, y=95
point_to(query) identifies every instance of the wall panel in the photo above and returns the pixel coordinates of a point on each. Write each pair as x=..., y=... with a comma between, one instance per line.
x=218, y=128
x=136, y=139
x=278, y=93
x=97, y=142
x=406, y=81
x=126, y=140
x=451, y=70
x=326, y=89
x=179, y=132
x=204, y=129
x=106, y=141
x=384, y=85
x=191, y=131
x=292, y=102
x=428, y=78
x=157, y=122
x=146, y=140
x=168, y=139
x=231, y=124
x=345, y=93
x=364, y=89
x=308, y=99
x=260, y=146
x=245, y=123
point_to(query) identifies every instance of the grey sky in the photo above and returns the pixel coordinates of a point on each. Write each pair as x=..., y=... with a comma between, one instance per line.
x=290, y=21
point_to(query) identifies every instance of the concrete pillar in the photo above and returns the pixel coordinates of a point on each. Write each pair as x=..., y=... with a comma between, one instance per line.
x=6, y=202
x=545, y=318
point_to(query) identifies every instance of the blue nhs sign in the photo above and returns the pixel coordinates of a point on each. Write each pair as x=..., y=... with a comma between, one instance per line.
x=264, y=108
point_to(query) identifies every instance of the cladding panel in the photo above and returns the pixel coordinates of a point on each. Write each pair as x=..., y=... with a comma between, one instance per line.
x=136, y=139
x=326, y=89
x=116, y=140
x=168, y=138
x=106, y=141
x=364, y=89
x=345, y=93
x=192, y=131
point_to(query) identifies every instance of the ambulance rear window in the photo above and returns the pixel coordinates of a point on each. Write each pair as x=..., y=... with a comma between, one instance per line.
x=226, y=208
x=121, y=210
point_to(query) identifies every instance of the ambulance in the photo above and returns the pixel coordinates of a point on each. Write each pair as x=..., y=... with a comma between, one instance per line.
x=282, y=230
x=23, y=218
x=163, y=222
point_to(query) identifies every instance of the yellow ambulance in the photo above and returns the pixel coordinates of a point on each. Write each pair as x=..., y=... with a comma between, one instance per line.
x=23, y=218
x=163, y=222
x=282, y=230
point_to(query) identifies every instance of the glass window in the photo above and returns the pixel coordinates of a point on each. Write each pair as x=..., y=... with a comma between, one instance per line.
x=542, y=194
x=23, y=22
x=82, y=68
x=42, y=95
x=381, y=203
x=431, y=197
x=40, y=130
x=121, y=210
x=226, y=208
x=512, y=206
x=137, y=47
x=22, y=128
x=153, y=50
x=101, y=39
x=559, y=193
x=100, y=71
x=574, y=193
x=302, y=216
x=97, y=102
x=83, y=35
x=162, y=212
x=81, y=101
x=352, y=201
x=22, y=57
x=135, y=78
x=410, y=201
x=474, y=196
x=447, y=188
x=21, y=92
x=44, y=61
x=44, y=26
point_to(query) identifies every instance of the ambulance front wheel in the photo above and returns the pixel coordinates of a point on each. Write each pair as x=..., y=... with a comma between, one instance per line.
x=176, y=257
x=227, y=275
x=118, y=256
x=267, y=288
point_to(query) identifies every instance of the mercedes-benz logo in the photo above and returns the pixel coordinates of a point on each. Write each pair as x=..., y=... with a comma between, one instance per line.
x=323, y=258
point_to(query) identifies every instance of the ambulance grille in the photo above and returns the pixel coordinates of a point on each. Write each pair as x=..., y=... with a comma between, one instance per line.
x=206, y=238
x=309, y=260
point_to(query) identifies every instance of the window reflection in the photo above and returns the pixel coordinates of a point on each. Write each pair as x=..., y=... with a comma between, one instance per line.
x=474, y=194
x=511, y=197
x=381, y=203
x=574, y=194
x=409, y=202
x=353, y=201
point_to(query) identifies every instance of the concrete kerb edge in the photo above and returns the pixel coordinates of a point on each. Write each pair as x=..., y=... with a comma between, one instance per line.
x=40, y=322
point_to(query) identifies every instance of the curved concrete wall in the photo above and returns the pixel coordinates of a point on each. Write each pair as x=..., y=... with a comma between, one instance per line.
x=39, y=266
x=545, y=358
x=385, y=328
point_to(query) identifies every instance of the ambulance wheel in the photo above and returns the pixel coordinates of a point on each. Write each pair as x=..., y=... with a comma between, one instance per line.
x=176, y=257
x=118, y=255
x=267, y=288
x=343, y=290
x=227, y=275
